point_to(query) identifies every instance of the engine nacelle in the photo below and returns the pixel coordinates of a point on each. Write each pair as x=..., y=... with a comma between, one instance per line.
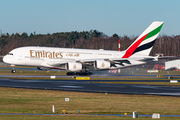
x=101, y=64
x=72, y=66
x=43, y=68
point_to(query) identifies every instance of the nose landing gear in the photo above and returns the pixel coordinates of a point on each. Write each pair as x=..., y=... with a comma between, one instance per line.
x=13, y=70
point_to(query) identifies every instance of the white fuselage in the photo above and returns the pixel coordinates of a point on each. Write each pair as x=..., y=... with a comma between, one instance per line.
x=49, y=56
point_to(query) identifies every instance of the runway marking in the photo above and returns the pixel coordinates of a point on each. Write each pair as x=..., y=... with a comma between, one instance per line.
x=71, y=86
x=145, y=86
x=157, y=87
x=176, y=94
x=111, y=86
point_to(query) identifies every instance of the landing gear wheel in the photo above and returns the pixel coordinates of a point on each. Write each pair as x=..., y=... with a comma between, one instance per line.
x=70, y=73
x=79, y=73
x=13, y=71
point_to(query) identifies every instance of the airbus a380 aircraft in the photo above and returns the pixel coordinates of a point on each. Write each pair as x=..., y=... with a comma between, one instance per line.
x=85, y=60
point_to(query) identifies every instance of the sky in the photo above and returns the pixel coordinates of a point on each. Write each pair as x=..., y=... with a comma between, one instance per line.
x=123, y=17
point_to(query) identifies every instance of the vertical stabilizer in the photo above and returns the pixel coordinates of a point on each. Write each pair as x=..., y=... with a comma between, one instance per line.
x=144, y=43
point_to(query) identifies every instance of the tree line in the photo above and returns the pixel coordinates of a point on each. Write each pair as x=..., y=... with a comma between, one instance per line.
x=93, y=39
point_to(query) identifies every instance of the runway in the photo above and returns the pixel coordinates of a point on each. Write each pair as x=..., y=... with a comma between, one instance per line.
x=88, y=86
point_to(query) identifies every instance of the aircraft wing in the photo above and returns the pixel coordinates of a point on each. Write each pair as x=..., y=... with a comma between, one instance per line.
x=89, y=64
x=165, y=57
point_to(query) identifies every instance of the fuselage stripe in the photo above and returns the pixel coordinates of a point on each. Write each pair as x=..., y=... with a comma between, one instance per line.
x=130, y=51
x=145, y=46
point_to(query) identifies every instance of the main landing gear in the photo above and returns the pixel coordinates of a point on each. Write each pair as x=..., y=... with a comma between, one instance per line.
x=79, y=73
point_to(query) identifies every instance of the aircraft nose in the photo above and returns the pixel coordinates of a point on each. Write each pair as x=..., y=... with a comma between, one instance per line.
x=5, y=59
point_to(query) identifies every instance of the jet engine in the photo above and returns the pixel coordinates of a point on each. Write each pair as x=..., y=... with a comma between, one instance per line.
x=72, y=66
x=101, y=64
x=43, y=68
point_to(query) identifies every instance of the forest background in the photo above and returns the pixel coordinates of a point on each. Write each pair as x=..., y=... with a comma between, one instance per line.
x=93, y=39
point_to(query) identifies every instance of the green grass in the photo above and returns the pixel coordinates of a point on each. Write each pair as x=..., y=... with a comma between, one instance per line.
x=39, y=72
x=72, y=78
x=15, y=100
x=75, y=117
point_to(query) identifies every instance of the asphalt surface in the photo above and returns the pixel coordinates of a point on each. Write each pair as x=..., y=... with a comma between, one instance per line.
x=88, y=86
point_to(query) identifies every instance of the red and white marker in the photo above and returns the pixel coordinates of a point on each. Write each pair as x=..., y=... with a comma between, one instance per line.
x=119, y=45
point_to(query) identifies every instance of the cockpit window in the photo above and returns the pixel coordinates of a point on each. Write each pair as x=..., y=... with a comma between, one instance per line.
x=10, y=53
